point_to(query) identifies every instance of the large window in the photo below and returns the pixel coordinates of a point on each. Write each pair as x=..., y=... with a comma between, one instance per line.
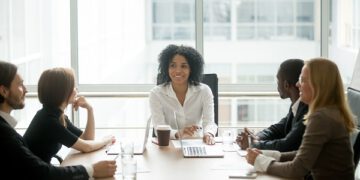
x=35, y=35
x=113, y=46
x=116, y=36
x=344, y=35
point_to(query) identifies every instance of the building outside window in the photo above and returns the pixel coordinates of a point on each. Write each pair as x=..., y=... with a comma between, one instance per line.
x=118, y=44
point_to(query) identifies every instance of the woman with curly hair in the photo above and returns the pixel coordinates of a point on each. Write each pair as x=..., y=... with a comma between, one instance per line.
x=180, y=91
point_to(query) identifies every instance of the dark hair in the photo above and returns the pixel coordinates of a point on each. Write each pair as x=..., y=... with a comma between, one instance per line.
x=290, y=70
x=7, y=75
x=193, y=58
x=55, y=86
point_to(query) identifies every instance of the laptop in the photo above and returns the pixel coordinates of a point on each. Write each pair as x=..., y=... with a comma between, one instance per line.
x=196, y=148
x=139, y=148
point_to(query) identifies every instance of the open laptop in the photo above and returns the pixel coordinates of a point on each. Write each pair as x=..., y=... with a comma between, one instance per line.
x=196, y=148
x=193, y=148
x=139, y=148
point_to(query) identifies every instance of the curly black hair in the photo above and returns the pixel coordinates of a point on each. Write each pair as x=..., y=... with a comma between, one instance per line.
x=193, y=58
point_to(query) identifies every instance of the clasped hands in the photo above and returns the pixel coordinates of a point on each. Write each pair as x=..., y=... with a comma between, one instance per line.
x=243, y=139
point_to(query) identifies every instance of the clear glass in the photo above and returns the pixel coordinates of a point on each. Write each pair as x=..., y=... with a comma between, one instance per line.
x=115, y=36
x=276, y=28
x=127, y=149
x=129, y=168
x=115, y=113
x=35, y=35
x=228, y=139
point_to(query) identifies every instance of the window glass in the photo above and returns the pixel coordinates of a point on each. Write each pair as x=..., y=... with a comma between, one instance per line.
x=35, y=35
x=305, y=11
x=285, y=11
x=265, y=11
x=246, y=11
x=115, y=36
x=343, y=41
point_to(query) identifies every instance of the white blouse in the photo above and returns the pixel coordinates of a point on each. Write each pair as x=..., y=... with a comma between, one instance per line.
x=198, y=108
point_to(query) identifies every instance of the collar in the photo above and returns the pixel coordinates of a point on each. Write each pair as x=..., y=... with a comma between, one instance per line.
x=169, y=91
x=295, y=107
x=9, y=119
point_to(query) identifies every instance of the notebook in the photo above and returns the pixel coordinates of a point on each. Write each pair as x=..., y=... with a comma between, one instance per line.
x=139, y=148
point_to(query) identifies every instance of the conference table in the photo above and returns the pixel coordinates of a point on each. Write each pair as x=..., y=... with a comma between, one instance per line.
x=168, y=163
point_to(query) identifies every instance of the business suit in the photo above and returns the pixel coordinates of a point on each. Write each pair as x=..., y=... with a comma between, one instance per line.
x=325, y=150
x=18, y=162
x=286, y=135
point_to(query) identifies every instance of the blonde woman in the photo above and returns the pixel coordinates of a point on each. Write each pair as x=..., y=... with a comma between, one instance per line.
x=325, y=150
x=51, y=128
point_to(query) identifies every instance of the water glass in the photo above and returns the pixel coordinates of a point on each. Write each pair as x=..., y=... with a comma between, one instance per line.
x=128, y=168
x=227, y=138
x=127, y=149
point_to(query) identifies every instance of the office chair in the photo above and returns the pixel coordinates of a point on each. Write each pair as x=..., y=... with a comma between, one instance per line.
x=212, y=81
x=353, y=97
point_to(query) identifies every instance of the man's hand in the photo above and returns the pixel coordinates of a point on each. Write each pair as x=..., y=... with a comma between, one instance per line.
x=104, y=169
x=243, y=140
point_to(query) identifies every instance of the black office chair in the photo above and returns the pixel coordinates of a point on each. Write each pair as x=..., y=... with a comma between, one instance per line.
x=356, y=149
x=212, y=81
x=353, y=96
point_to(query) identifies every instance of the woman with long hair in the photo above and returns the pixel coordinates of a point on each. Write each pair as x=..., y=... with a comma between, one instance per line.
x=325, y=150
x=50, y=127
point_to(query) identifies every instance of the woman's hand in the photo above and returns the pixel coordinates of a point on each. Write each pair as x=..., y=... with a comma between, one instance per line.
x=110, y=139
x=209, y=139
x=187, y=131
x=252, y=154
x=81, y=102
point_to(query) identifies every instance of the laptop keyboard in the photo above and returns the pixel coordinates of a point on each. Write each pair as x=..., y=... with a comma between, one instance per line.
x=196, y=151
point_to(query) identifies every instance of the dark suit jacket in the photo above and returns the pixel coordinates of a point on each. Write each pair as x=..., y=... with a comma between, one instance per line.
x=285, y=135
x=18, y=162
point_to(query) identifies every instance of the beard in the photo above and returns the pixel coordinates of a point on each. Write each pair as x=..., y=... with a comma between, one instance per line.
x=15, y=102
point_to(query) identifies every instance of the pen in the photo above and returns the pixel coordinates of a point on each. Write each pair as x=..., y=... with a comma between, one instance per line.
x=116, y=156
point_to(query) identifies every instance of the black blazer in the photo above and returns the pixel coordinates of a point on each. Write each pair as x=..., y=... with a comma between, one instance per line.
x=286, y=135
x=18, y=162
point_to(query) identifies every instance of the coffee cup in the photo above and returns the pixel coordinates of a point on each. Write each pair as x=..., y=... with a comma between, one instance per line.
x=163, y=134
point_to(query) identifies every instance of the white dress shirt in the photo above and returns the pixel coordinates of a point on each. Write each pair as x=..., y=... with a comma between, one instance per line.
x=198, y=108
